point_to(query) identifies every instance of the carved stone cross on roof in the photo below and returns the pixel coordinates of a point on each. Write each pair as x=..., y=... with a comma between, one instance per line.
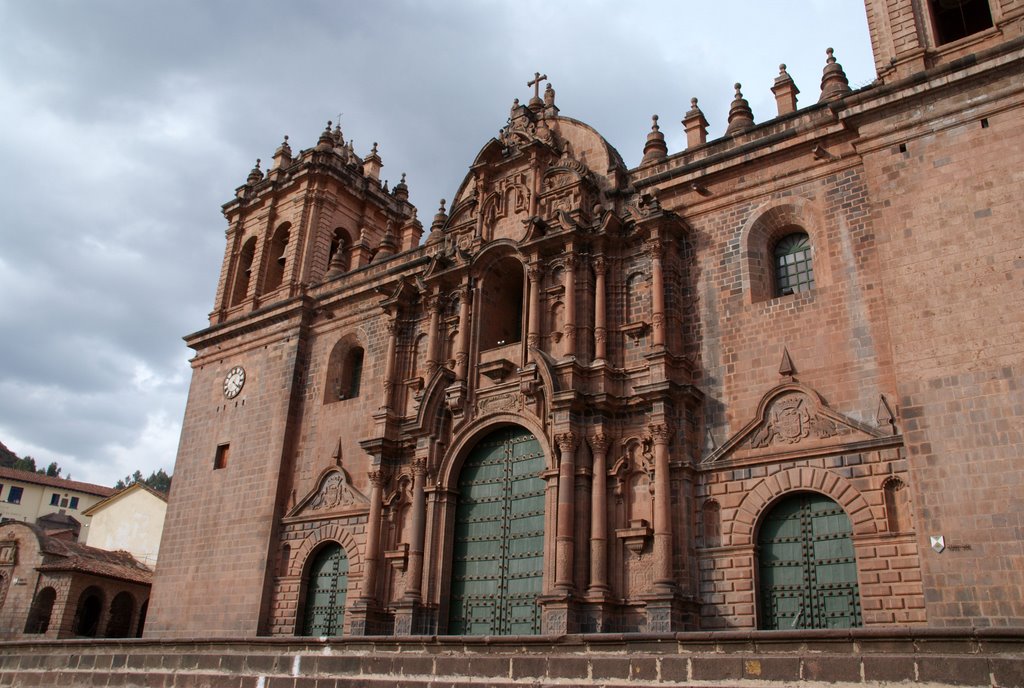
x=537, y=78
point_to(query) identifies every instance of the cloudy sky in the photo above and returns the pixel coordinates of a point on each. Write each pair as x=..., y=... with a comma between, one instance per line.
x=124, y=125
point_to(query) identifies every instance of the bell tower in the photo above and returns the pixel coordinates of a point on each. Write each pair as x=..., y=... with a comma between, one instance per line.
x=910, y=36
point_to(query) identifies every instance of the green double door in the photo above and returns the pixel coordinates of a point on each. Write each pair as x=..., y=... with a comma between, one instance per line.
x=497, y=567
x=808, y=570
x=326, y=592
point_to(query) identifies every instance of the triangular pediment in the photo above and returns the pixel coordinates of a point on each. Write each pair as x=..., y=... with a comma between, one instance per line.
x=792, y=419
x=333, y=493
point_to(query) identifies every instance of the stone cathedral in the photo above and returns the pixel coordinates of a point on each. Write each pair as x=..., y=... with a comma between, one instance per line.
x=770, y=381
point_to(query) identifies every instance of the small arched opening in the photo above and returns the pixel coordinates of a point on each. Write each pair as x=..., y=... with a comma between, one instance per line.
x=277, y=258
x=122, y=608
x=88, y=612
x=243, y=271
x=42, y=608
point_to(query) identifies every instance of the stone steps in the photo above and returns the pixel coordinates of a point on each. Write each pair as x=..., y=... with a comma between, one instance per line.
x=922, y=657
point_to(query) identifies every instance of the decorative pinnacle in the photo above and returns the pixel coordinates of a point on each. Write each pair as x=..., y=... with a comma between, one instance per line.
x=831, y=56
x=403, y=179
x=654, y=123
x=738, y=86
x=373, y=151
x=693, y=103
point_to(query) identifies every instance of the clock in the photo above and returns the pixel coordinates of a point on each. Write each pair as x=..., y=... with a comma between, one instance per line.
x=234, y=381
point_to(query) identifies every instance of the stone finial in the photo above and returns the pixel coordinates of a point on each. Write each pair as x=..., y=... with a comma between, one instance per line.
x=388, y=245
x=326, y=141
x=834, y=84
x=785, y=91
x=695, y=125
x=283, y=154
x=655, y=148
x=339, y=140
x=740, y=116
x=255, y=174
x=437, y=225
x=401, y=190
x=786, y=368
x=372, y=164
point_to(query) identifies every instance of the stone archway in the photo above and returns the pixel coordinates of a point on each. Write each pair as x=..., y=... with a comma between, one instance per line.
x=326, y=592
x=498, y=543
x=807, y=567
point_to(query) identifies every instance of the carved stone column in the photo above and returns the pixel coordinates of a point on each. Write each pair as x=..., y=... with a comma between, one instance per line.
x=433, y=333
x=600, y=310
x=369, y=591
x=390, y=363
x=366, y=609
x=462, y=354
x=661, y=434
x=657, y=294
x=570, y=305
x=564, y=540
x=414, y=579
x=536, y=272
x=599, y=518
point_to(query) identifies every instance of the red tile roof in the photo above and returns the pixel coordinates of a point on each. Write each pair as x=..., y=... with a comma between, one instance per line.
x=40, y=479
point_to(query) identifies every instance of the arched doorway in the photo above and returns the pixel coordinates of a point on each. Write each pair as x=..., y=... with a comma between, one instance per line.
x=326, y=589
x=807, y=566
x=42, y=608
x=87, y=614
x=497, y=566
x=121, y=610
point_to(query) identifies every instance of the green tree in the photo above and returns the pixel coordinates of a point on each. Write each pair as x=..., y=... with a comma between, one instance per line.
x=158, y=480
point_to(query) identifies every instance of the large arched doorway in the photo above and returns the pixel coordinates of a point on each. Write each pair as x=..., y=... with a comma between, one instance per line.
x=497, y=566
x=326, y=590
x=808, y=570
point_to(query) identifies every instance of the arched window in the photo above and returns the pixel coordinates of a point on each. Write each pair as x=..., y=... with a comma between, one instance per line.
x=711, y=514
x=88, y=612
x=792, y=260
x=326, y=590
x=501, y=319
x=344, y=371
x=275, y=265
x=244, y=271
x=42, y=608
x=121, y=610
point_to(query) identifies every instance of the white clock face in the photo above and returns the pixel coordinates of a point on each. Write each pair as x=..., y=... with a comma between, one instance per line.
x=234, y=381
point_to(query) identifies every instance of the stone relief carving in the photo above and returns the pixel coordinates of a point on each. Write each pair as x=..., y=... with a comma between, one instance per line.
x=501, y=402
x=336, y=492
x=791, y=420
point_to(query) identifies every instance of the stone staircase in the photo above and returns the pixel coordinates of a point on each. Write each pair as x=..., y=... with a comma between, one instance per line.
x=862, y=657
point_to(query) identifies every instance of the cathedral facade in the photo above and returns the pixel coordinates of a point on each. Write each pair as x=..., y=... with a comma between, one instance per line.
x=773, y=380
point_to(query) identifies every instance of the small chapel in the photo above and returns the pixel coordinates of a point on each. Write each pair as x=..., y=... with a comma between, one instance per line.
x=773, y=380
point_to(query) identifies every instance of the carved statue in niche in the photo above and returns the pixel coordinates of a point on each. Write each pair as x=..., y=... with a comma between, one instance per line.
x=790, y=420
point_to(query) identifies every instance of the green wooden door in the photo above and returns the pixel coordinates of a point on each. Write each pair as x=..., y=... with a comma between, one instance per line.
x=498, y=559
x=807, y=566
x=325, y=593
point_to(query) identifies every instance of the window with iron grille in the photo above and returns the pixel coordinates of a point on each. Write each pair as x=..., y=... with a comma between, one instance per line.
x=793, y=269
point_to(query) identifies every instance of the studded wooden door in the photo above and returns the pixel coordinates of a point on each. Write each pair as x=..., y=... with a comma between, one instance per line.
x=807, y=566
x=326, y=592
x=497, y=566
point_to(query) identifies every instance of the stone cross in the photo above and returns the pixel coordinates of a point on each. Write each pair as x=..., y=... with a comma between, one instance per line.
x=537, y=78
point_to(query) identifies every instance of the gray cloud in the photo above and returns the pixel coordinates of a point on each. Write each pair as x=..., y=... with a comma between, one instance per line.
x=124, y=126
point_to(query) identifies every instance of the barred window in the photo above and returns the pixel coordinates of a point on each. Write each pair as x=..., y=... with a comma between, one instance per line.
x=793, y=269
